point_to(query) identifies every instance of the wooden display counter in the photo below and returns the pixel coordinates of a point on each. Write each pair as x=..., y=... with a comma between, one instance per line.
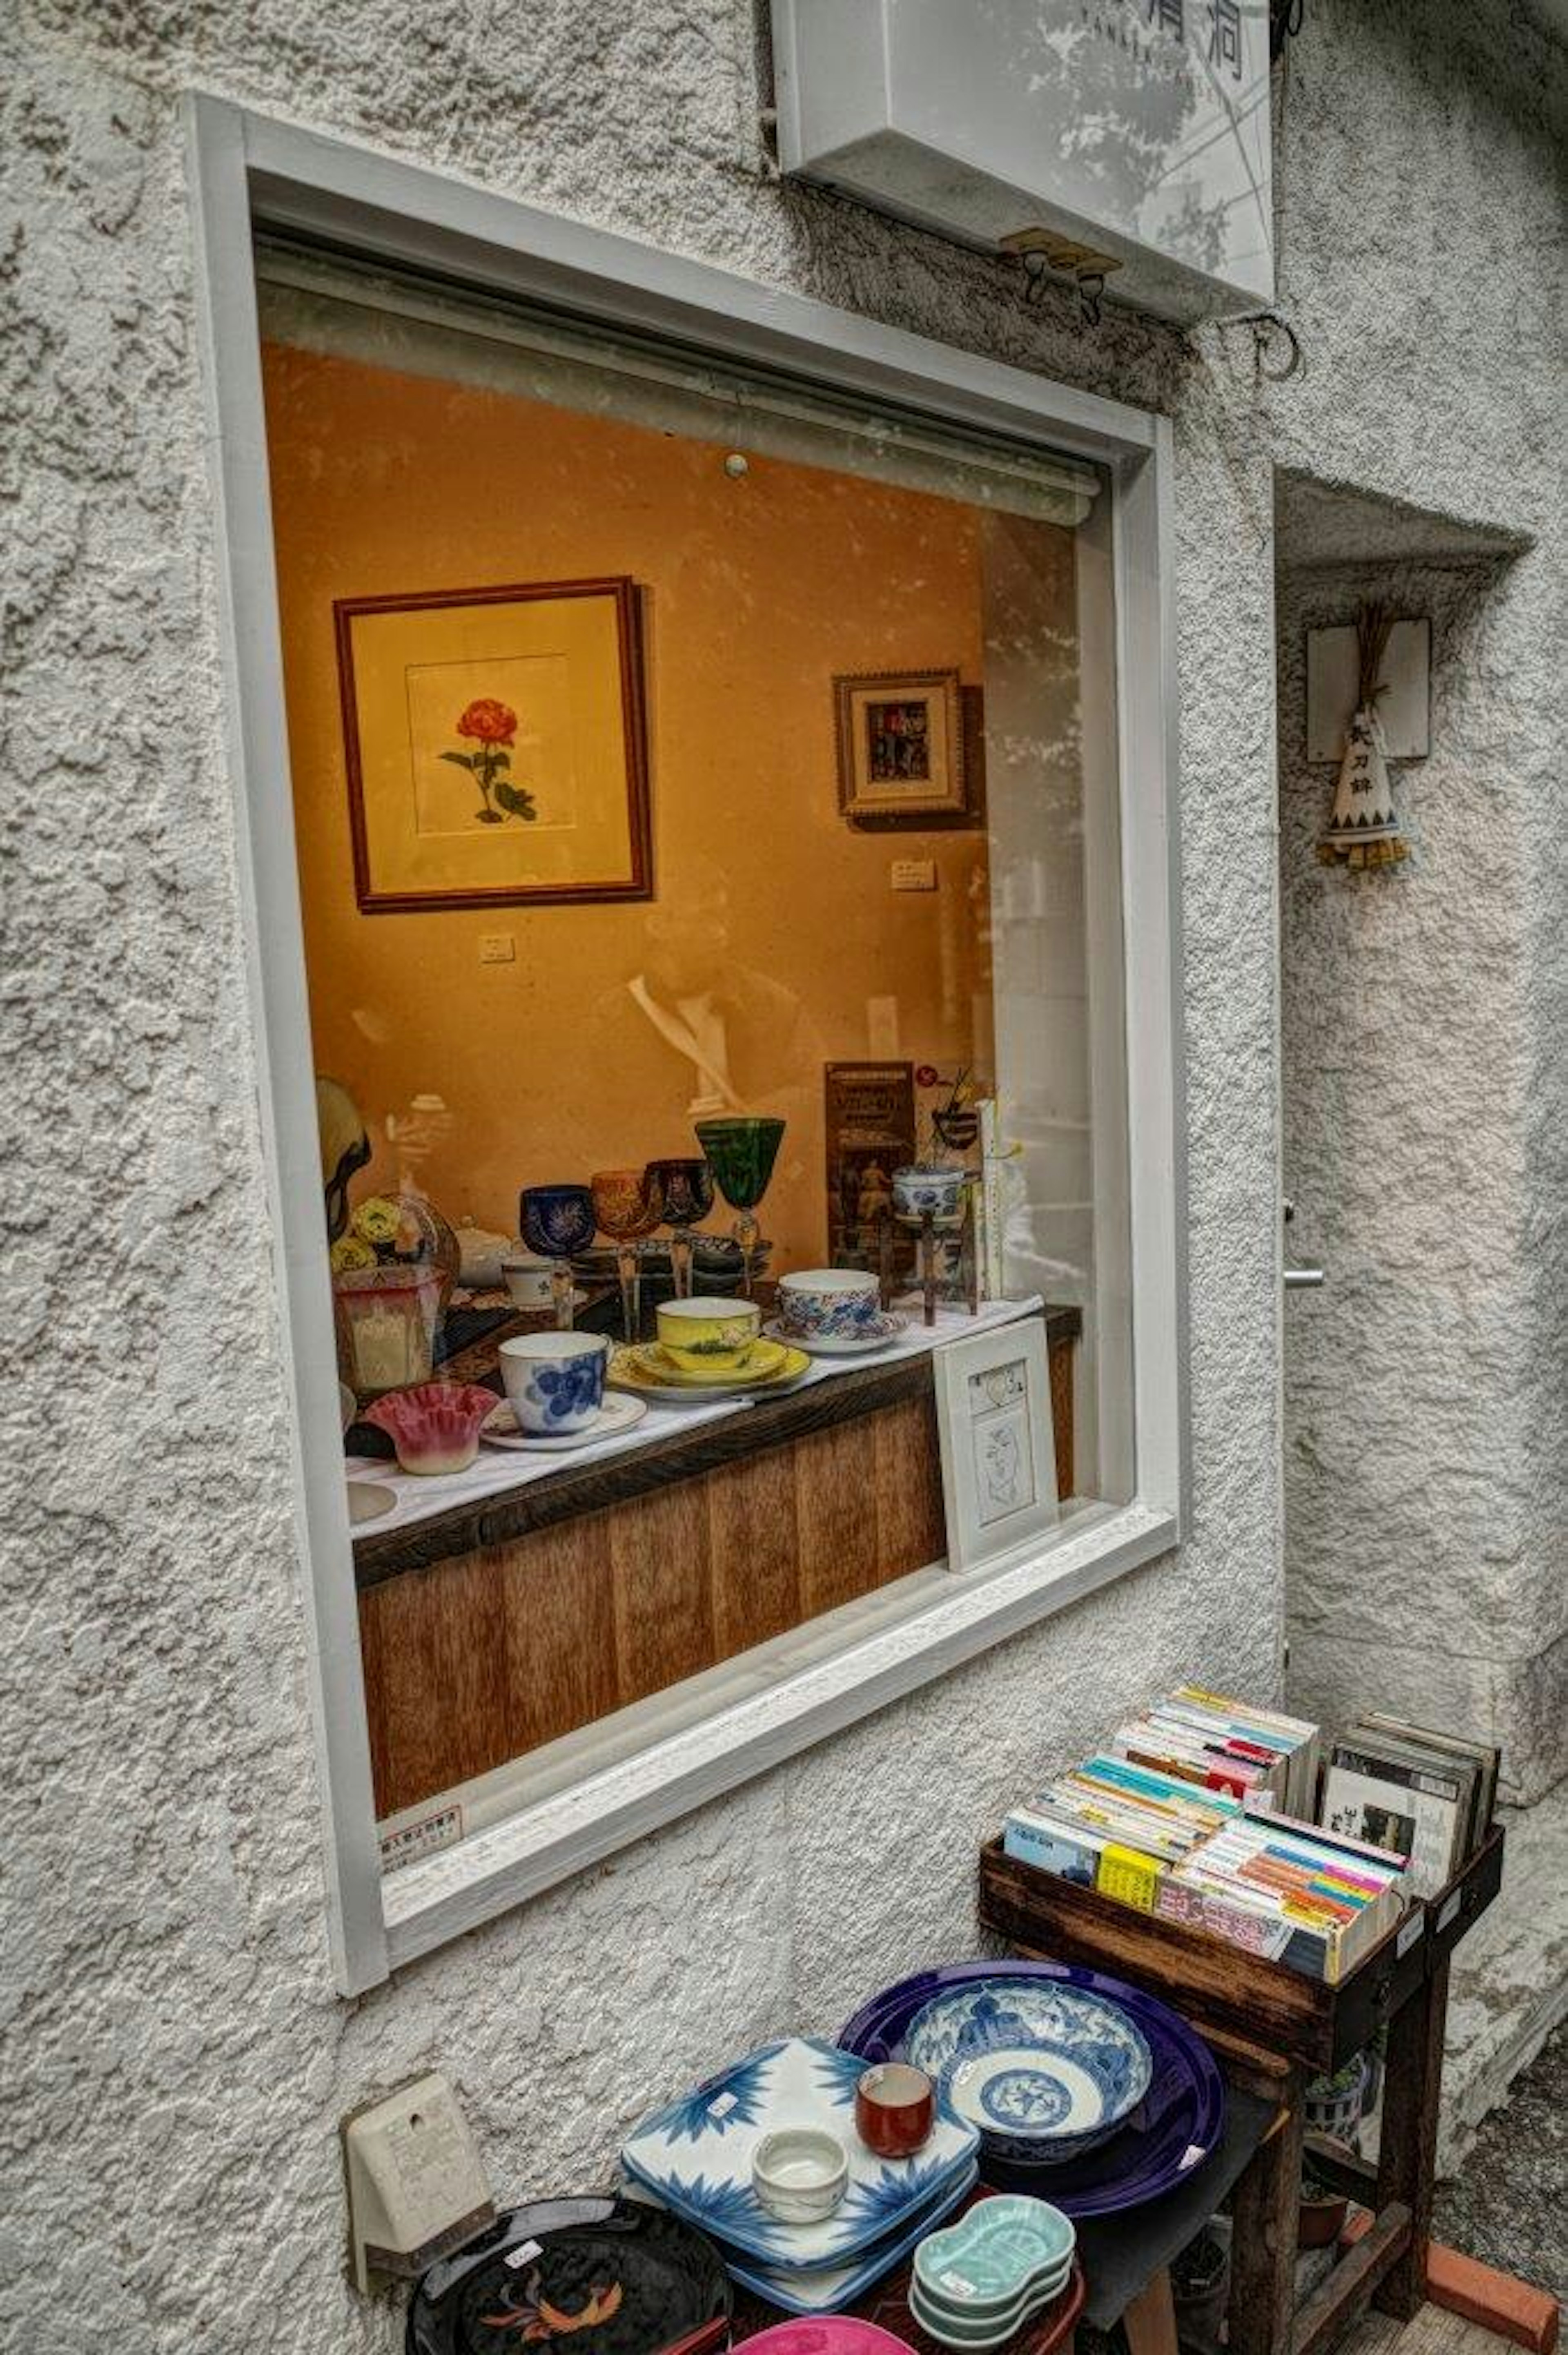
x=507, y=1621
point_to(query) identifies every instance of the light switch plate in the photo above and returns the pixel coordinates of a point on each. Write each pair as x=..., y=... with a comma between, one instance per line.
x=416, y=2185
x=1332, y=678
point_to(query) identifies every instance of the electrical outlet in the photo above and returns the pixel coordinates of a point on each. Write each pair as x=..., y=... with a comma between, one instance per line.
x=416, y=2185
x=496, y=948
x=913, y=874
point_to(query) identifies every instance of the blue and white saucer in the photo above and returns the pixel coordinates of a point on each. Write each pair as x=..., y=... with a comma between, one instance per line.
x=881, y=1334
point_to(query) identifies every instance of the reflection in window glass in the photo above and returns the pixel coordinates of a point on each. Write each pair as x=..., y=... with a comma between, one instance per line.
x=670, y=747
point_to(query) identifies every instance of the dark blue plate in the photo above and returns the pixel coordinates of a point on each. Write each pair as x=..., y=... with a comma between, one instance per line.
x=1174, y=2128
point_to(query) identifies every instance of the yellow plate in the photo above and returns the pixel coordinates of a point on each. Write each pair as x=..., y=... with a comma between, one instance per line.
x=763, y=1357
x=643, y=1370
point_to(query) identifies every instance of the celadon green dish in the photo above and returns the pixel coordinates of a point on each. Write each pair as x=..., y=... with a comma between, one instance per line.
x=995, y=2259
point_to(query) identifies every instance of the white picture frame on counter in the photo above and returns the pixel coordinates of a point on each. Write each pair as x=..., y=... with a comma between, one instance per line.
x=997, y=1436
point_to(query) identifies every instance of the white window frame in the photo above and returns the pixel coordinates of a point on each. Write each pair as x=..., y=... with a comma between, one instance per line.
x=246, y=168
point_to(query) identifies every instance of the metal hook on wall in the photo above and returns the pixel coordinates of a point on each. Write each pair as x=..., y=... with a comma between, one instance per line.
x=1089, y=285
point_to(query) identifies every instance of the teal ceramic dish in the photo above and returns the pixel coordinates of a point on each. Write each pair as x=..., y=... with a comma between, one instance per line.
x=998, y=2257
x=979, y=2339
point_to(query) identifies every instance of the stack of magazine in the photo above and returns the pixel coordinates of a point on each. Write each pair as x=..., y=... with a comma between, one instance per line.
x=1430, y=1795
x=1290, y=1892
x=1193, y=1811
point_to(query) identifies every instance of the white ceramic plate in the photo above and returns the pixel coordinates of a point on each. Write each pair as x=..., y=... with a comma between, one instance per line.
x=615, y=1415
x=892, y=1329
x=369, y=1499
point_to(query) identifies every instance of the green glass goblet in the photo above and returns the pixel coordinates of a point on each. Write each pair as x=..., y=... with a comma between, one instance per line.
x=741, y=1149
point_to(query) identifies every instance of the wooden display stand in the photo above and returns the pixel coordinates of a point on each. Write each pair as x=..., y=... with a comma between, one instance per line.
x=507, y=1621
x=1272, y=2029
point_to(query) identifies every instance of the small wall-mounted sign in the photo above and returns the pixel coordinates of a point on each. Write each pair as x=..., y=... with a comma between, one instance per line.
x=1333, y=681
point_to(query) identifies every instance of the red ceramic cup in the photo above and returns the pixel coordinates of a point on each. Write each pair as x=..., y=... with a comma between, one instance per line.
x=894, y=2109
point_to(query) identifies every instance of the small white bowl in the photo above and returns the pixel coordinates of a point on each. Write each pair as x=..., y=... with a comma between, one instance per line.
x=799, y=2174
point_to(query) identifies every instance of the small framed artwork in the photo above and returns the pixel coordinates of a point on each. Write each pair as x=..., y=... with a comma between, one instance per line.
x=994, y=1427
x=495, y=745
x=901, y=737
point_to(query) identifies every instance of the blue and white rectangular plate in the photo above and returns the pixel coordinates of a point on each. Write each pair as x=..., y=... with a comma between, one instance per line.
x=696, y=2154
x=828, y=2289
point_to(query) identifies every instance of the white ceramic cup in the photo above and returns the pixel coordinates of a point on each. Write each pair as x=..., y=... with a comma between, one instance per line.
x=554, y=1380
x=830, y=1304
x=799, y=2173
x=527, y=1280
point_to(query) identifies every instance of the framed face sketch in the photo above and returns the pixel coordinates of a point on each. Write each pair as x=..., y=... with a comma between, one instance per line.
x=901, y=747
x=495, y=745
x=999, y=1455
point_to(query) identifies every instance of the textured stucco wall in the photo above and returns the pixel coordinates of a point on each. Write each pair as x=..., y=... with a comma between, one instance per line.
x=181, y=2059
x=1425, y=1086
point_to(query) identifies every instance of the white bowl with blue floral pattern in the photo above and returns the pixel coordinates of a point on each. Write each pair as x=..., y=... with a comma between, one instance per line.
x=1042, y=2073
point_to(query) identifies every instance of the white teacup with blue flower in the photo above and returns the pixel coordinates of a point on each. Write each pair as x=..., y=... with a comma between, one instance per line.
x=554, y=1380
x=831, y=1303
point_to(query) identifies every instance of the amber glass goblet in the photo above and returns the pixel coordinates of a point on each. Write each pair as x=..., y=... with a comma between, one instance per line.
x=741, y=1149
x=627, y=1204
x=688, y=1191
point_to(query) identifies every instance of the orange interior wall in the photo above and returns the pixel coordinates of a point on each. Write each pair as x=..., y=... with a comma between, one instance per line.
x=757, y=591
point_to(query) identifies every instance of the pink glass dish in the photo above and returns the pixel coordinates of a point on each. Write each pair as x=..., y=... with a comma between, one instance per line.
x=827, y=2334
x=435, y=1426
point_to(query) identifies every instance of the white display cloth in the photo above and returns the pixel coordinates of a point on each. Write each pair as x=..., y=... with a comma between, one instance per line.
x=498, y=1470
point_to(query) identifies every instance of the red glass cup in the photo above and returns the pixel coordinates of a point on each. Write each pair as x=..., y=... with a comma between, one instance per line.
x=894, y=2109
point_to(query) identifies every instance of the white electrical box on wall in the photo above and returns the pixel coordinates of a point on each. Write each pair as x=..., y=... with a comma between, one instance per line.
x=1122, y=139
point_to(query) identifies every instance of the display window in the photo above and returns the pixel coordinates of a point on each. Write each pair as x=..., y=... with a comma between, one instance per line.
x=703, y=772
x=698, y=790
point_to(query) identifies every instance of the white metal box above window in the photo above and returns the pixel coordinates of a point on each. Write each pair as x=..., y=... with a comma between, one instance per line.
x=1127, y=139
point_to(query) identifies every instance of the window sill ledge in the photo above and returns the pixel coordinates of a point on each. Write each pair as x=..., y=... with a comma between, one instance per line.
x=444, y=1895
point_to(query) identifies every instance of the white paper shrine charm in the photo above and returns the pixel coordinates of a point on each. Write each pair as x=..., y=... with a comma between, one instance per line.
x=1363, y=826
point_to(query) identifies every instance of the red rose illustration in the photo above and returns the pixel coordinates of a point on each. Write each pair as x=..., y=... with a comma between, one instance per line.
x=488, y=721
x=492, y=725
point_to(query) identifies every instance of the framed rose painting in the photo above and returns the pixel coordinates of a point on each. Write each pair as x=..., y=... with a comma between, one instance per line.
x=495, y=745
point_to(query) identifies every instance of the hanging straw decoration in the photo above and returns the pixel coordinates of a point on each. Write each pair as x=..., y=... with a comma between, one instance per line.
x=1363, y=827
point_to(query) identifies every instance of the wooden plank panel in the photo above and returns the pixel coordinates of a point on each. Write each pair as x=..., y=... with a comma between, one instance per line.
x=374, y=1699
x=835, y=1502
x=441, y=1650
x=1408, y=2135
x=558, y=1598
x=663, y=1605
x=755, y=1548
x=1263, y=2210
x=910, y=1527
x=1059, y=1363
x=1342, y=2295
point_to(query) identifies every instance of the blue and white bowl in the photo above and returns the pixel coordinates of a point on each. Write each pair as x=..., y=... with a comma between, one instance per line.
x=554, y=1380
x=917, y=1189
x=1041, y=2073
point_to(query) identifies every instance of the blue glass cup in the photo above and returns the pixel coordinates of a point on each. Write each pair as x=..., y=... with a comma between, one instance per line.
x=557, y=1221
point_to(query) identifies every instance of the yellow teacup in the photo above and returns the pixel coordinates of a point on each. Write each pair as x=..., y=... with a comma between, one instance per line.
x=709, y=1337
